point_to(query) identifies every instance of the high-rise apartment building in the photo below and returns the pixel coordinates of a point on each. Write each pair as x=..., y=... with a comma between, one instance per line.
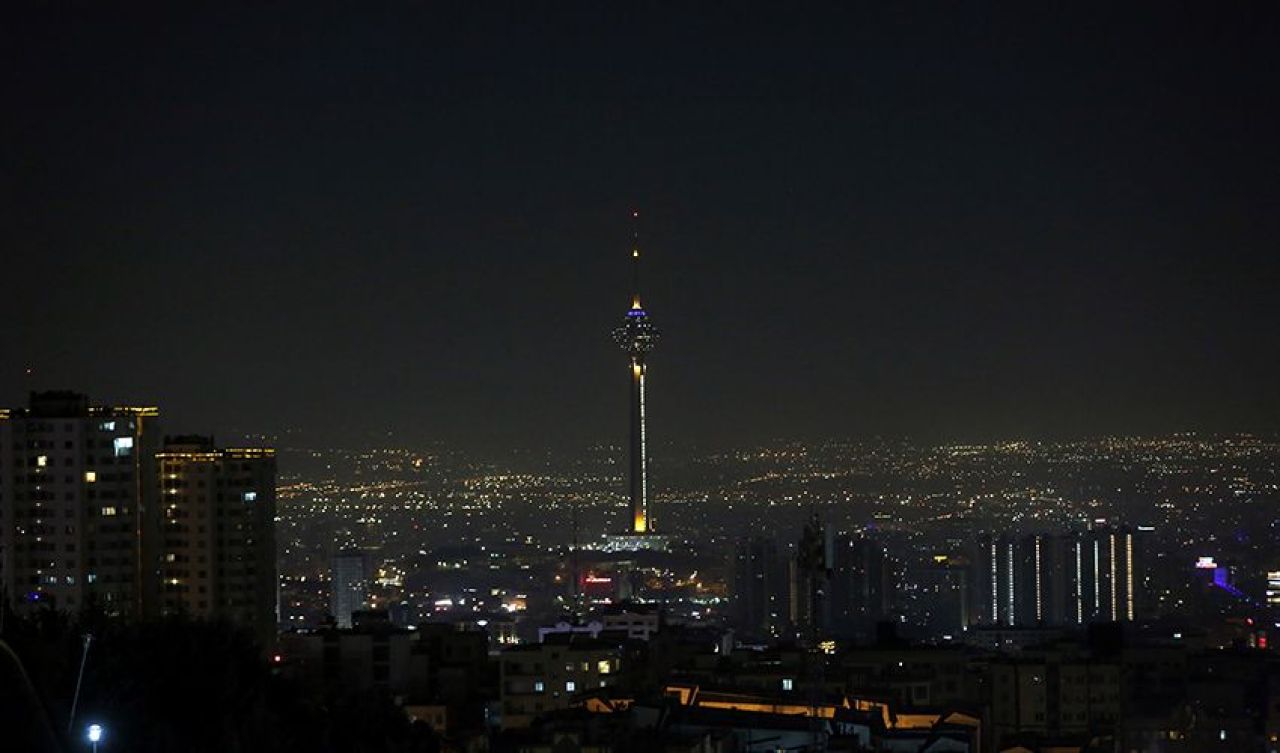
x=93, y=515
x=997, y=558
x=76, y=482
x=217, y=532
x=861, y=586
x=1041, y=580
x=1096, y=575
x=946, y=583
x=811, y=581
x=759, y=588
x=349, y=584
x=1107, y=579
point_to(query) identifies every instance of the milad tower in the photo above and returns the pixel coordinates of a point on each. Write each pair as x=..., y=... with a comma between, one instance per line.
x=637, y=336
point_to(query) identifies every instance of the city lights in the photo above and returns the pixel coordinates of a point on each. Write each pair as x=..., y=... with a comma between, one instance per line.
x=965, y=436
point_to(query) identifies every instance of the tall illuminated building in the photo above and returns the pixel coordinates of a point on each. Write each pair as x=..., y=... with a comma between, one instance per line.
x=1096, y=575
x=76, y=482
x=997, y=581
x=1109, y=574
x=350, y=585
x=637, y=336
x=217, y=533
x=1042, y=580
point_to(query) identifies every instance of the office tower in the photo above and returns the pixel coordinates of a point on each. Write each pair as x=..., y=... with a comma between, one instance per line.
x=75, y=484
x=861, y=586
x=217, y=528
x=1097, y=575
x=350, y=583
x=946, y=582
x=1041, y=580
x=1108, y=576
x=811, y=581
x=759, y=588
x=1084, y=563
x=1016, y=580
x=637, y=336
x=997, y=581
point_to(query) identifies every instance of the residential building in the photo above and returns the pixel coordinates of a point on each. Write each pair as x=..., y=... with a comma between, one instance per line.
x=76, y=482
x=217, y=547
x=542, y=677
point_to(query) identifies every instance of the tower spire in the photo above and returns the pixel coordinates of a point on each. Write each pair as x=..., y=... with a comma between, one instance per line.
x=635, y=259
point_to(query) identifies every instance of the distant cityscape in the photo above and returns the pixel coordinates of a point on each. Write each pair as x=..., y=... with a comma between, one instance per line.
x=852, y=585
x=1187, y=522
x=1117, y=594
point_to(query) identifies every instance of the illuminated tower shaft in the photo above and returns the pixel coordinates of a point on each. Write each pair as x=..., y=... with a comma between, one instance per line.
x=639, y=451
x=637, y=336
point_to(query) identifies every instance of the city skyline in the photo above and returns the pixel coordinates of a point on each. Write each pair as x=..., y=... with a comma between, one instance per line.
x=965, y=435
x=933, y=224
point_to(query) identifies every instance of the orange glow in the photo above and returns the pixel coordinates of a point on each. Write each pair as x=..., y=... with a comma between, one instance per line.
x=914, y=721
x=609, y=706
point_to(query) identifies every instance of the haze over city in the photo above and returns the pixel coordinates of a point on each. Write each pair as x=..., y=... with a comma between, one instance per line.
x=907, y=221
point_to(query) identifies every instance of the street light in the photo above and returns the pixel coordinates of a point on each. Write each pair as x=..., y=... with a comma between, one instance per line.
x=95, y=735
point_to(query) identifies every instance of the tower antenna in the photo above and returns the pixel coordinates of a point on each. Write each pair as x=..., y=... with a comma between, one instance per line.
x=635, y=259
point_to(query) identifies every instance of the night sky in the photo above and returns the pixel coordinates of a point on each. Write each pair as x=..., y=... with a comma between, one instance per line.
x=941, y=221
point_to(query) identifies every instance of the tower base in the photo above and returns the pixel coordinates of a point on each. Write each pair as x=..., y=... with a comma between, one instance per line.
x=636, y=542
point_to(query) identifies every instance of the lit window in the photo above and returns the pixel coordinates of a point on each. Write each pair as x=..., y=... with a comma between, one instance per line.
x=570, y=686
x=124, y=446
x=92, y=578
x=90, y=477
x=788, y=683
x=42, y=461
x=538, y=687
x=108, y=511
x=250, y=496
x=107, y=426
x=603, y=667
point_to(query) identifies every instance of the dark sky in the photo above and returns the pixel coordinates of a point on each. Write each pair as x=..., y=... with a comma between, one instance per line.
x=940, y=220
